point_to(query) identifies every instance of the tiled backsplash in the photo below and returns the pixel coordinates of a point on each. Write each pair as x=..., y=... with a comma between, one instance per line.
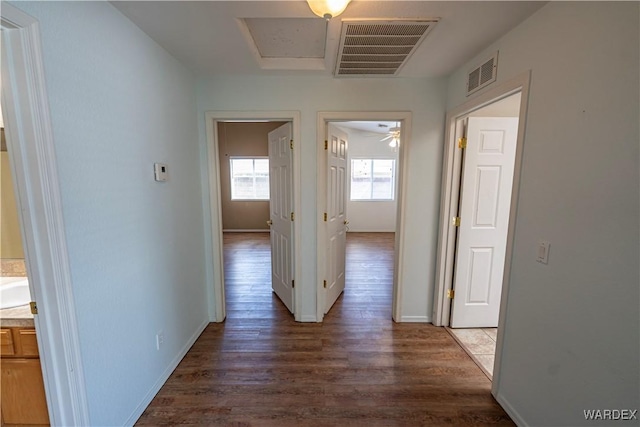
x=13, y=268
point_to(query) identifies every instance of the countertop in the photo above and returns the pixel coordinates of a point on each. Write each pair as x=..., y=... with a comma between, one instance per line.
x=17, y=316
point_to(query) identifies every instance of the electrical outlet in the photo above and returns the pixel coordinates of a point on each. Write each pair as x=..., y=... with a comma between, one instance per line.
x=159, y=340
x=161, y=172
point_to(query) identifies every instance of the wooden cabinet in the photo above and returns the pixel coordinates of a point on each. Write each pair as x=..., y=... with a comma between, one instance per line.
x=23, y=399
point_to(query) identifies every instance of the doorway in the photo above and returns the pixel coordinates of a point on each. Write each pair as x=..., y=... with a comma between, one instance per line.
x=254, y=173
x=483, y=216
x=355, y=181
x=30, y=139
x=249, y=186
x=369, y=197
x=480, y=186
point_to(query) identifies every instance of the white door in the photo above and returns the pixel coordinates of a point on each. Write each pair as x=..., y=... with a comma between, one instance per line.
x=487, y=179
x=336, y=219
x=281, y=213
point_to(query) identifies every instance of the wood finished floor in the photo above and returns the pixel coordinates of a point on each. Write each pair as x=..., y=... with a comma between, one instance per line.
x=358, y=368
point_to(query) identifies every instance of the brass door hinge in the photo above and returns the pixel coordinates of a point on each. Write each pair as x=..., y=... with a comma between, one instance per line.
x=326, y=144
x=34, y=307
x=293, y=283
x=325, y=217
x=455, y=221
x=451, y=293
x=291, y=216
x=324, y=283
x=462, y=142
x=291, y=144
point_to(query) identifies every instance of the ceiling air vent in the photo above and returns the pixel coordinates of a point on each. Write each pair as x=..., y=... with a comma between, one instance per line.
x=483, y=75
x=378, y=48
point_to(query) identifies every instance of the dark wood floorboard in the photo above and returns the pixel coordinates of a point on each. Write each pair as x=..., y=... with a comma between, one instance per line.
x=357, y=368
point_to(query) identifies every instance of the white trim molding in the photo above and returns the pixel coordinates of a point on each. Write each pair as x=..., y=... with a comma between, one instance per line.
x=213, y=184
x=415, y=319
x=31, y=148
x=324, y=117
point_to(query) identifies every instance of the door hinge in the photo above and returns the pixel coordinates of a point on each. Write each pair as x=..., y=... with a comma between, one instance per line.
x=462, y=142
x=291, y=144
x=291, y=216
x=324, y=283
x=293, y=283
x=450, y=293
x=455, y=221
x=326, y=144
x=325, y=217
x=34, y=307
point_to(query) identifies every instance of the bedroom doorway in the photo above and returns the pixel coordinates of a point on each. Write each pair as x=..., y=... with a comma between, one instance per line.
x=354, y=180
x=243, y=178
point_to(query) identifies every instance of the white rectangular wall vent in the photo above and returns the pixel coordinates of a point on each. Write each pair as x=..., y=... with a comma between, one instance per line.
x=378, y=48
x=483, y=75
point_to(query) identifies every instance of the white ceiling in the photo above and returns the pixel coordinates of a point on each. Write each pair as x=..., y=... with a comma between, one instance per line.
x=382, y=128
x=209, y=37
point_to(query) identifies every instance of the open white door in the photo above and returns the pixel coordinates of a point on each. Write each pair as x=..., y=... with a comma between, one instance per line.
x=281, y=213
x=336, y=215
x=485, y=202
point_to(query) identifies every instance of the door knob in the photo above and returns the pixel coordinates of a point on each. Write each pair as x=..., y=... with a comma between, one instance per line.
x=346, y=222
x=269, y=223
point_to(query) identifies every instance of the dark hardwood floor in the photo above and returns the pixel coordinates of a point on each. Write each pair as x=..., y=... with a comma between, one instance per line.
x=357, y=368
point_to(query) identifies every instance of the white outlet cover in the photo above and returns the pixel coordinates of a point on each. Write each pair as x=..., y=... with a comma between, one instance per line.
x=161, y=172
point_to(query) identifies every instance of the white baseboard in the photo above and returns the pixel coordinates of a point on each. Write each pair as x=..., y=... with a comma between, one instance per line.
x=415, y=319
x=393, y=230
x=251, y=230
x=308, y=318
x=164, y=377
x=515, y=415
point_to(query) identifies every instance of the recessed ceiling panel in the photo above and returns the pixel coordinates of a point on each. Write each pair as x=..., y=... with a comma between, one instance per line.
x=288, y=37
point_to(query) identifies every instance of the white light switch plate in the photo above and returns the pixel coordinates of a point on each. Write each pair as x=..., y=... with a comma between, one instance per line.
x=543, y=252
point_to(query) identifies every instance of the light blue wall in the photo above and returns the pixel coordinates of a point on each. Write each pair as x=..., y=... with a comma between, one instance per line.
x=118, y=104
x=425, y=98
x=572, y=330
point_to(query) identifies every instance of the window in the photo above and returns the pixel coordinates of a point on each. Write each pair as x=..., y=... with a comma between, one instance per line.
x=249, y=178
x=372, y=179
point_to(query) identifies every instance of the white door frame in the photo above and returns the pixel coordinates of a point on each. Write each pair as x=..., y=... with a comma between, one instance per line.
x=32, y=156
x=449, y=204
x=323, y=119
x=212, y=119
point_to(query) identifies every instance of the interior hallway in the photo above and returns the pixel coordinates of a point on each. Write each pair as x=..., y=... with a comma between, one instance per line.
x=357, y=368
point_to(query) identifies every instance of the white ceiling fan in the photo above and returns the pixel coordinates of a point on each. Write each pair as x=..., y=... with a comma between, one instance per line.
x=393, y=136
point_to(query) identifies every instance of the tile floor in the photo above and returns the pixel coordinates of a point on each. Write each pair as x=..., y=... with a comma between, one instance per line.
x=480, y=343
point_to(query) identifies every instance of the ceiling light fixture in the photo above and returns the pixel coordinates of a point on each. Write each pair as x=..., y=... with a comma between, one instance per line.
x=327, y=9
x=393, y=136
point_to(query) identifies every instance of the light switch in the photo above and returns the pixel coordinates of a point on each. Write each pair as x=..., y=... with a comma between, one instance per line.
x=161, y=171
x=543, y=252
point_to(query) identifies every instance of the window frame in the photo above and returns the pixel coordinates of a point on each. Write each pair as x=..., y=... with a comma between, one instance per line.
x=373, y=159
x=231, y=178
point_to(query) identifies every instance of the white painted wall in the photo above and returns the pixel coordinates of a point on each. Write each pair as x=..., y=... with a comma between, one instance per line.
x=118, y=104
x=571, y=340
x=309, y=95
x=364, y=215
